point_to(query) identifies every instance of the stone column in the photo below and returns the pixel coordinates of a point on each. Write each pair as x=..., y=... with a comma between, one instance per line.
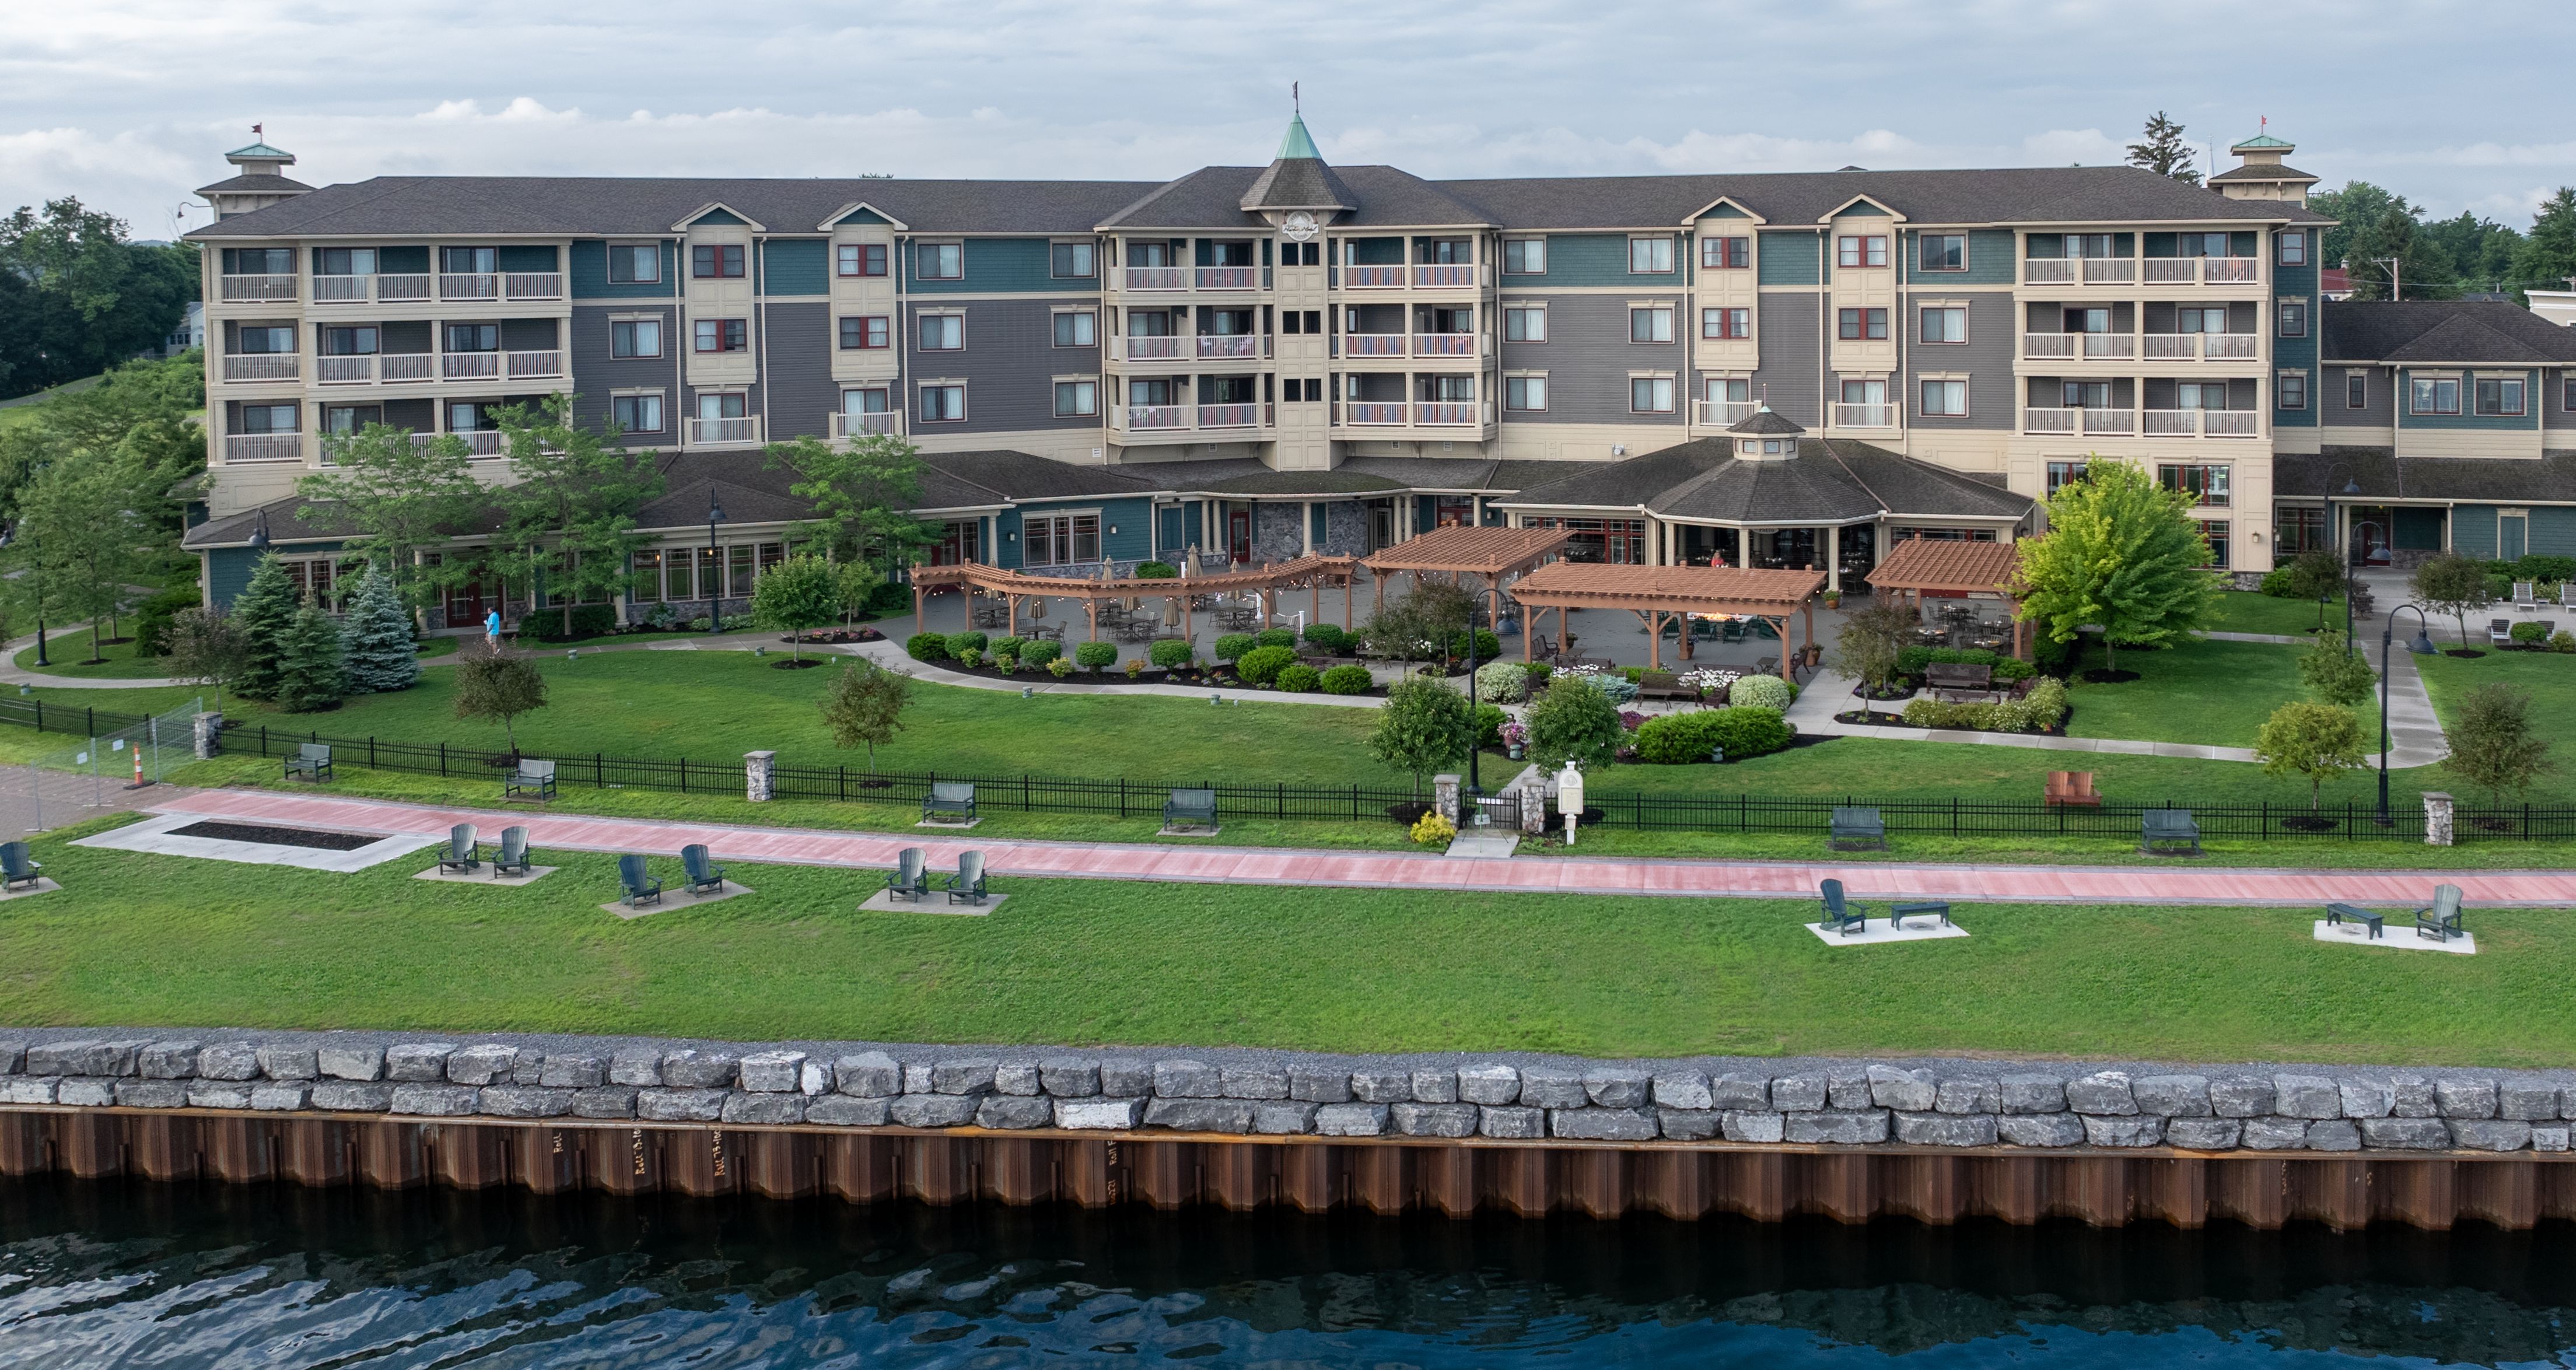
x=1444, y=796
x=209, y=736
x=2437, y=819
x=1534, y=803
x=760, y=776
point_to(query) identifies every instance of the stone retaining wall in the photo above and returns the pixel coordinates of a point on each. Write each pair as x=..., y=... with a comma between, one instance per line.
x=1831, y=1103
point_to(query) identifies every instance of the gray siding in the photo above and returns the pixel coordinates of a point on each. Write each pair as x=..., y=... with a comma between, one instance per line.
x=802, y=393
x=2330, y=399
x=1587, y=358
x=1009, y=357
x=2555, y=412
x=1787, y=379
x=528, y=335
x=595, y=373
x=1987, y=358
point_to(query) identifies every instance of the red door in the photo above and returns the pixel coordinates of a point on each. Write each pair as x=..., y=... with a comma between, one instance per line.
x=1238, y=533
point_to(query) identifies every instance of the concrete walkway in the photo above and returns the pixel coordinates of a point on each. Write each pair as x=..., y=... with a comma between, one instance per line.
x=2162, y=884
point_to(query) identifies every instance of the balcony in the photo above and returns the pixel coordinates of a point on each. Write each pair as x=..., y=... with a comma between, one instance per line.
x=1725, y=413
x=258, y=289
x=1144, y=348
x=2075, y=270
x=1371, y=413
x=1444, y=344
x=470, y=366
x=482, y=442
x=261, y=366
x=865, y=425
x=533, y=285
x=1373, y=344
x=1373, y=277
x=469, y=286
x=535, y=365
x=1157, y=278
x=2111, y=423
x=724, y=430
x=1229, y=344
x=2074, y=346
x=407, y=366
x=2200, y=423
x=2203, y=270
x=240, y=447
x=1230, y=415
x=359, y=370
x=1146, y=418
x=1445, y=413
x=1864, y=415
x=2200, y=346
x=1440, y=274
x=1228, y=277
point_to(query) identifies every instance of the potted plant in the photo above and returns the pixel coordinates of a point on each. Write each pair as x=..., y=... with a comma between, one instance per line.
x=1515, y=739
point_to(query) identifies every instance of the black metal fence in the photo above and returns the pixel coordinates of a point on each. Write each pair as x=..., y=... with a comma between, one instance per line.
x=1700, y=812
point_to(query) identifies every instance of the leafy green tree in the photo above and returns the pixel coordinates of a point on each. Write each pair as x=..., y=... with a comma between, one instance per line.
x=858, y=582
x=2317, y=741
x=311, y=674
x=2121, y=552
x=1429, y=621
x=495, y=685
x=799, y=594
x=568, y=511
x=863, y=706
x=80, y=525
x=207, y=647
x=2357, y=203
x=2422, y=271
x=79, y=297
x=2546, y=257
x=2481, y=251
x=1574, y=722
x=2334, y=673
x=862, y=493
x=1424, y=726
x=2493, y=745
x=398, y=498
x=376, y=639
x=262, y=612
x=2161, y=149
x=2451, y=584
x=1872, y=636
x=2316, y=574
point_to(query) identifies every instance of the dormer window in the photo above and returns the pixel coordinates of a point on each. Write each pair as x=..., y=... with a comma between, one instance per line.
x=1762, y=447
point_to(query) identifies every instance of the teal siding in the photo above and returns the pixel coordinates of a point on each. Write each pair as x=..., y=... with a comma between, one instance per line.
x=1990, y=260
x=861, y=216
x=1006, y=539
x=2296, y=354
x=1863, y=210
x=717, y=216
x=1792, y=259
x=525, y=257
x=795, y=266
x=1580, y=259
x=1315, y=525
x=590, y=274
x=2553, y=531
x=995, y=265
x=1170, y=538
x=2473, y=531
x=1726, y=212
x=227, y=569
x=1133, y=518
x=2524, y=422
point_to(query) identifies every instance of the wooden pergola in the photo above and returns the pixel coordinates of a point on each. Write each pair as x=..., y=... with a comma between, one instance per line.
x=1304, y=573
x=1655, y=593
x=1954, y=570
x=1461, y=551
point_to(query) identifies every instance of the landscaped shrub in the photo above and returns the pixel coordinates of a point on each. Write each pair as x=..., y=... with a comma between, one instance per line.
x=1016, y=646
x=1432, y=830
x=1346, y=680
x=1912, y=660
x=1539, y=673
x=1490, y=719
x=1618, y=689
x=1576, y=721
x=2042, y=709
x=2276, y=583
x=1300, y=679
x=1504, y=681
x=1275, y=637
x=1488, y=646
x=1135, y=667
x=1039, y=651
x=2014, y=668
x=1155, y=570
x=1008, y=663
x=599, y=620
x=2529, y=634
x=1232, y=646
x=971, y=658
x=2562, y=641
x=1748, y=730
x=959, y=644
x=1262, y=665
x=927, y=647
x=1060, y=667
x=1637, y=674
x=1760, y=691
x=1170, y=653
x=2539, y=566
x=1327, y=636
x=1678, y=739
x=1096, y=655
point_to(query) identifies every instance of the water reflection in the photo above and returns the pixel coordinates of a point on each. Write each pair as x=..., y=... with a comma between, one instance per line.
x=138, y=1274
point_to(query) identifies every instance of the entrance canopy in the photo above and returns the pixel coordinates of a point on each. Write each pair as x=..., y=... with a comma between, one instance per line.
x=1951, y=570
x=1304, y=573
x=1654, y=593
x=1463, y=550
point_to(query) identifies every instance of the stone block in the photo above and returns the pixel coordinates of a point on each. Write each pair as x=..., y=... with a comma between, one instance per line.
x=1752, y=1125
x=971, y=1076
x=2549, y=1137
x=933, y=1110
x=40, y=1089
x=1067, y=1077
x=916, y=1078
x=2526, y=1100
x=1966, y=1095
x=605, y=1101
x=418, y=1062
x=1126, y=1077
x=1604, y=1124
x=1015, y=1112
x=289, y=1063
x=768, y=1107
x=1847, y=1088
x=1351, y=1120
x=1184, y=1079
x=353, y=1096
x=1858, y=1127
x=1618, y=1087
x=2173, y=1096
x=2040, y=1129
x=2204, y=1134
x=2032, y=1093
x=1200, y=1114
x=1685, y=1090
x=526, y=1101
x=2334, y=1134
x=1491, y=1086
x=781, y=1072
x=681, y=1105
x=488, y=1064
x=842, y=1110
x=222, y=1061
x=1434, y=1120
x=2414, y=1097
x=2490, y=1134
x=1256, y=1082
x=1553, y=1087
x=2306, y=1096
x=2119, y=1130
x=528, y=1067
x=351, y=1062
x=1283, y=1118
x=635, y=1066
x=1508, y=1122
x=13, y=1055
x=1740, y=1091
x=815, y=1077
x=2241, y=1096
x=1434, y=1086
x=1906, y=1091
x=573, y=1070
x=1019, y=1079
x=61, y=1058
x=1099, y=1115
x=2273, y=1133
x=87, y=1091
x=868, y=1075
x=2406, y=1134
x=1946, y=1129
x=1331, y=1084
x=436, y=1101
x=152, y=1093
x=168, y=1061
x=229, y=1094
x=690, y=1068
x=281, y=1097
x=2366, y=1098
x=2104, y=1093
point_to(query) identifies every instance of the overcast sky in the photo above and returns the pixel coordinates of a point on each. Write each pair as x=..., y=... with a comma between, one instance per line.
x=129, y=104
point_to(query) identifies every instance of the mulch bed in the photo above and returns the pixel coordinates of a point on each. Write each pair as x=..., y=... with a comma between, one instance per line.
x=2464, y=653
x=1115, y=676
x=1885, y=720
x=796, y=664
x=1904, y=691
x=278, y=837
x=839, y=635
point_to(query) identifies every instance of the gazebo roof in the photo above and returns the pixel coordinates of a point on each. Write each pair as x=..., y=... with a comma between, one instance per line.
x=1947, y=566
x=1700, y=589
x=1479, y=551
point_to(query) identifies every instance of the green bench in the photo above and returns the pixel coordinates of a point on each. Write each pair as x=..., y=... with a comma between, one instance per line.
x=2160, y=830
x=1190, y=809
x=1857, y=829
x=2339, y=914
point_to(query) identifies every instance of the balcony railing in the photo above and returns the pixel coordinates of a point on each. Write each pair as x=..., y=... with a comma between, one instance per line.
x=2069, y=346
x=1445, y=274
x=724, y=430
x=2048, y=346
x=1145, y=348
x=1377, y=412
x=1373, y=277
x=362, y=289
x=534, y=285
x=358, y=370
x=2109, y=271
x=2109, y=422
x=343, y=289
x=528, y=365
x=2091, y=422
x=1725, y=413
x=2203, y=270
x=1372, y=344
x=2200, y=423
x=2173, y=347
x=1864, y=415
x=1444, y=344
x=470, y=366
x=406, y=287
x=469, y=286
x=1227, y=277
x=1445, y=412
x=845, y=424
x=1229, y=415
x=1157, y=278
x=264, y=447
x=2047, y=271
x=482, y=442
x=257, y=289
x=2230, y=346
x=2109, y=346
x=1229, y=344
x=407, y=366
x=260, y=366
x=1147, y=417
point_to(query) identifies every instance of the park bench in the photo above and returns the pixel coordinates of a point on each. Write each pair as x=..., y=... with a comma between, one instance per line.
x=1918, y=908
x=1190, y=809
x=949, y=800
x=2159, y=829
x=1857, y=829
x=2338, y=914
x=1946, y=678
x=1664, y=685
x=530, y=777
x=312, y=760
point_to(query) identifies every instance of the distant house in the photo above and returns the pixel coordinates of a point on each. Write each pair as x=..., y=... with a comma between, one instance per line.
x=2335, y=283
x=2557, y=306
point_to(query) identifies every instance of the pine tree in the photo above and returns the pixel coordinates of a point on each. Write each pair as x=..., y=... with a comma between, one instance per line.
x=2163, y=151
x=377, y=639
x=263, y=612
x=310, y=674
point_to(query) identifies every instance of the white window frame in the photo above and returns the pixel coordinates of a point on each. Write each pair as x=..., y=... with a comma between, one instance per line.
x=1524, y=379
x=922, y=254
x=1524, y=313
x=1092, y=314
x=650, y=249
x=1927, y=411
x=1078, y=245
x=1665, y=309
x=632, y=322
x=1080, y=384
x=1525, y=245
x=1665, y=379
x=921, y=329
x=925, y=387
x=661, y=407
x=1923, y=336
x=2350, y=376
x=1657, y=246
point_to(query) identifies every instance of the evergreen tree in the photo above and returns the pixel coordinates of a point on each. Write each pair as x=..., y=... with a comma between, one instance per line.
x=377, y=639
x=263, y=613
x=2358, y=203
x=2163, y=151
x=310, y=674
x=2122, y=552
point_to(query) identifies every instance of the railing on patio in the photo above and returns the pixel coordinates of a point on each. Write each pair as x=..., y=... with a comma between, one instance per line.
x=1444, y=344
x=1229, y=415
x=534, y=285
x=1146, y=347
x=1372, y=344
x=469, y=285
x=469, y=366
x=845, y=424
x=1444, y=274
x=1373, y=277
x=1864, y=415
x=1229, y=345
x=1152, y=416
x=407, y=366
x=260, y=366
x=258, y=289
x=1157, y=278
x=1725, y=413
x=354, y=370
x=1226, y=277
x=264, y=447
x=532, y=364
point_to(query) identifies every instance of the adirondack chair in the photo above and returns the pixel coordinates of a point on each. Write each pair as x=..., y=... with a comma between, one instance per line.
x=967, y=885
x=531, y=777
x=1842, y=915
x=312, y=760
x=910, y=879
x=512, y=859
x=949, y=799
x=15, y=868
x=1857, y=829
x=2441, y=922
x=462, y=853
x=704, y=876
x=636, y=887
x=2072, y=789
x=1190, y=809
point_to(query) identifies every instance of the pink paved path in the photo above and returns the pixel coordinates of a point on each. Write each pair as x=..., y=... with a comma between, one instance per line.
x=2171, y=884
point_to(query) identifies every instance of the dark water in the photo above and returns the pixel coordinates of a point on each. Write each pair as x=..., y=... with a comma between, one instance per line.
x=145, y=1275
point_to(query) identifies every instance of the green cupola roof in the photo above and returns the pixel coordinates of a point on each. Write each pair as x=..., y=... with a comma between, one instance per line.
x=1298, y=143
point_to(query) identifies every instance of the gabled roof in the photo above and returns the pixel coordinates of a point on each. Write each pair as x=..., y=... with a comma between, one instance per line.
x=2003, y=195
x=1218, y=196
x=1829, y=481
x=1728, y=201
x=833, y=219
x=2437, y=332
x=1872, y=201
x=254, y=184
x=713, y=206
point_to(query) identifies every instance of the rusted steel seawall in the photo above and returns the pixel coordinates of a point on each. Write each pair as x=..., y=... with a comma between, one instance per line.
x=1169, y=1170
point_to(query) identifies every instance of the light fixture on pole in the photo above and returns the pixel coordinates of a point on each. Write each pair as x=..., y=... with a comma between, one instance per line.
x=2422, y=645
x=2343, y=560
x=715, y=565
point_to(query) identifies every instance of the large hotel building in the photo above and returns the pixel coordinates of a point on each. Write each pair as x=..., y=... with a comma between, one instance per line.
x=1257, y=361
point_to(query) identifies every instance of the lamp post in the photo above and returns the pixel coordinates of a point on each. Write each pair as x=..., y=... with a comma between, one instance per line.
x=2343, y=568
x=1475, y=732
x=2422, y=645
x=715, y=565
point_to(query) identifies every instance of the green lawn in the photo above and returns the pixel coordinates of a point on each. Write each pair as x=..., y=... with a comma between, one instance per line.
x=2210, y=692
x=168, y=940
x=69, y=652
x=2242, y=611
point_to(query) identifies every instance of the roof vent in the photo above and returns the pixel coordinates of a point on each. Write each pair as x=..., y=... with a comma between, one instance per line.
x=1851, y=168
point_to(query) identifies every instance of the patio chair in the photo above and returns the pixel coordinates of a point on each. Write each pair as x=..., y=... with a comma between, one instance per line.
x=531, y=777
x=1857, y=829
x=2071, y=789
x=949, y=800
x=1190, y=809
x=2523, y=598
x=463, y=854
x=2547, y=627
x=704, y=876
x=635, y=886
x=312, y=760
x=513, y=858
x=910, y=878
x=1766, y=666
x=15, y=868
x=2162, y=829
x=2567, y=593
x=2441, y=922
x=2499, y=631
x=1732, y=630
x=1841, y=915
x=967, y=885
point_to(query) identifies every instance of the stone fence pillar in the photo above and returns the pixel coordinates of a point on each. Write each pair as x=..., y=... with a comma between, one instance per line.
x=1444, y=796
x=760, y=776
x=1534, y=802
x=2437, y=819
x=209, y=736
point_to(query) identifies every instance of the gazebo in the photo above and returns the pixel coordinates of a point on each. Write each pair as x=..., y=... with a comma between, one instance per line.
x=1304, y=573
x=1654, y=593
x=1922, y=567
x=1462, y=551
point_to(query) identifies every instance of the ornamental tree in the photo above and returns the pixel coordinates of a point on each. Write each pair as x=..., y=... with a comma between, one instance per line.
x=2451, y=584
x=2316, y=574
x=798, y=594
x=568, y=512
x=2334, y=673
x=2318, y=741
x=492, y=684
x=2120, y=552
x=1872, y=636
x=1424, y=726
x=207, y=647
x=2492, y=743
x=863, y=706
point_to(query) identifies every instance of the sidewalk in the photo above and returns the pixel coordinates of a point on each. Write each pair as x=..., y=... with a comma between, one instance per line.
x=2174, y=884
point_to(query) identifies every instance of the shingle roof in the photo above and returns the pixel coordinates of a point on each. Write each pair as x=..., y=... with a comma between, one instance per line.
x=2418, y=332
x=1214, y=197
x=1829, y=481
x=2259, y=172
x=238, y=185
x=1997, y=195
x=1298, y=183
x=576, y=205
x=1766, y=421
x=2382, y=474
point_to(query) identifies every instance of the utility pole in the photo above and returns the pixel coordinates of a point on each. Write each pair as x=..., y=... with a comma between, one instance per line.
x=2396, y=287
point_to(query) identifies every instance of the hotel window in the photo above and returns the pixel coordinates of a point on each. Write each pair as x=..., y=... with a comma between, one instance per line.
x=2207, y=485
x=2356, y=390
x=940, y=261
x=635, y=338
x=2433, y=395
x=262, y=339
x=1861, y=250
x=1525, y=256
x=1071, y=261
x=2294, y=318
x=636, y=413
x=2296, y=529
x=1726, y=389
x=268, y=418
x=1525, y=323
x=634, y=263
x=1076, y=399
x=1303, y=321
x=1650, y=324
x=1860, y=323
x=861, y=259
x=2062, y=473
x=2498, y=397
x=943, y=403
x=2292, y=387
x=943, y=332
x=461, y=337
x=1060, y=540
x=1527, y=394
x=2294, y=247
x=1726, y=323
x=714, y=405
x=467, y=261
x=1945, y=399
x=710, y=261
x=1077, y=328
x=2215, y=533
x=720, y=335
x=1944, y=251
x=871, y=400
x=349, y=342
x=1726, y=254
x=1945, y=323
x=1650, y=394
x=1650, y=256
x=2567, y=395
x=865, y=331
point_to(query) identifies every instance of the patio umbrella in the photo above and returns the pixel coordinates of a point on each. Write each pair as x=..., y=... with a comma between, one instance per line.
x=1171, y=611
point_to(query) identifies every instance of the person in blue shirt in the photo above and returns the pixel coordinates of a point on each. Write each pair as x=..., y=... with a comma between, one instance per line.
x=492, y=629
